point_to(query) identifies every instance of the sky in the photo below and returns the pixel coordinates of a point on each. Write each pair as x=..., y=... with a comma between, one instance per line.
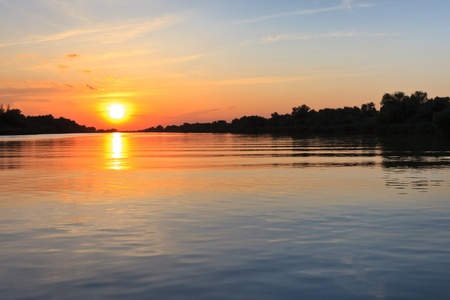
x=175, y=61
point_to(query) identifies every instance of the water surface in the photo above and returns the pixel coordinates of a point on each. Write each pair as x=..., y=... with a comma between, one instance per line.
x=220, y=216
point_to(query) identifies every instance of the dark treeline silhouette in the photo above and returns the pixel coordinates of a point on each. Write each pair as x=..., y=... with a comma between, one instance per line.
x=12, y=121
x=399, y=114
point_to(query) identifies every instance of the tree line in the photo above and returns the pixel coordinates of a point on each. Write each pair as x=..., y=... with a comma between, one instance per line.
x=398, y=114
x=12, y=121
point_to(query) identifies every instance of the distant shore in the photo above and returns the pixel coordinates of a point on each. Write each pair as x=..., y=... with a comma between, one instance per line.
x=399, y=114
x=13, y=122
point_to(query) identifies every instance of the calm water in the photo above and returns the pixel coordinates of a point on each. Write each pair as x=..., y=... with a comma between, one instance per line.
x=204, y=216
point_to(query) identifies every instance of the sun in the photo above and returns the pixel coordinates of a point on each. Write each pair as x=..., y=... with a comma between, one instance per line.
x=116, y=111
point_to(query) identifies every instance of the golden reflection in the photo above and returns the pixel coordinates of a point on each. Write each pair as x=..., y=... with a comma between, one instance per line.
x=116, y=147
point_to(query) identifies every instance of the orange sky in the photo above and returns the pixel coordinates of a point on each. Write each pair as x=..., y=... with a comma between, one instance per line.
x=171, y=62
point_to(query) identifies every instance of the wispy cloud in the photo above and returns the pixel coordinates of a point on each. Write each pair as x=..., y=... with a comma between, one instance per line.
x=294, y=37
x=259, y=80
x=91, y=87
x=73, y=9
x=59, y=36
x=40, y=88
x=32, y=84
x=128, y=31
x=72, y=55
x=85, y=71
x=28, y=14
x=62, y=67
x=207, y=112
x=344, y=5
x=105, y=34
x=115, y=55
x=269, y=80
x=200, y=112
x=180, y=59
x=306, y=37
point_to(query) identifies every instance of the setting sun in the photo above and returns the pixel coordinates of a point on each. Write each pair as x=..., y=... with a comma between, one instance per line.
x=116, y=111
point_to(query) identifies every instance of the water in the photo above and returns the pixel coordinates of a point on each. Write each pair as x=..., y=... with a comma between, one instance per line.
x=204, y=216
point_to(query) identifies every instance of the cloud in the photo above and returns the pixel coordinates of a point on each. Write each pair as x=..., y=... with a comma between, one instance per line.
x=32, y=55
x=85, y=71
x=124, y=32
x=6, y=82
x=57, y=36
x=269, y=80
x=114, y=55
x=33, y=93
x=62, y=67
x=291, y=37
x=259, y=80
x=105, y=33
x=28, y=13
x=32, y=84
x=72, y=9
x=208, y=112
x=73, y=55
x=185, y=58
x=18, y=87
x=201, y=112
x=91, y=87
x=349, y=4
x=294, y=37
x=179, y=59
x=344, y=5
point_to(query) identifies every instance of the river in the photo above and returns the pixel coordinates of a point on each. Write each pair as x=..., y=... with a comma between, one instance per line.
x=222, y=216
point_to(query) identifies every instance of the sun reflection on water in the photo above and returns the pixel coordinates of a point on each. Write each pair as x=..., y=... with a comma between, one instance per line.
x=117, y=153
x=117, y=145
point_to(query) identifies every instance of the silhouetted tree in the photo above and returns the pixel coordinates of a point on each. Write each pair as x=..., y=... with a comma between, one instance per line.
x=391, y=110
x=13, y=117
x=368, y=109
x=300, y=112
